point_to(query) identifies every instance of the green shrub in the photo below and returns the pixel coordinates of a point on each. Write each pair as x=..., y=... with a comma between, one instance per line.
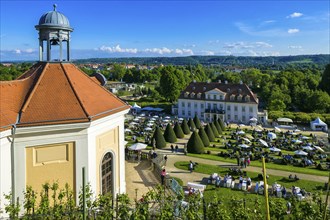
x=204, y=137
x=197, y=122
x=217, y=125
x=195, y=144
x=185, y=127
x=169, y=134
x=214, y=129
x=158, y=139
x=178, y=130
x=191, y=124
x=222, y=124
x=209, y=132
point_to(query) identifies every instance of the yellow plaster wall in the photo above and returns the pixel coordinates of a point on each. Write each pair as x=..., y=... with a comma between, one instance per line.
x=50, y=163
x=105, y=142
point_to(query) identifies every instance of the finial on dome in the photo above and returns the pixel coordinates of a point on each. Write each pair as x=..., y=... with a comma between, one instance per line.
x=54, y=5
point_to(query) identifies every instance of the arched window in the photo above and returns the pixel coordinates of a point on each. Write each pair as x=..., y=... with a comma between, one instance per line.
x=107, y=173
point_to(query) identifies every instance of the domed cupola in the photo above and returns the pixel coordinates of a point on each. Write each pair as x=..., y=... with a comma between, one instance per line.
x=54, y=28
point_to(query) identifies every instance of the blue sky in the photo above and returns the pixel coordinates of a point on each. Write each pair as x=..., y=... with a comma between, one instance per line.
x=172, y=28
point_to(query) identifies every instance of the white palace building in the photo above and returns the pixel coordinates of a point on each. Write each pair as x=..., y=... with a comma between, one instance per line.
x=213, y=100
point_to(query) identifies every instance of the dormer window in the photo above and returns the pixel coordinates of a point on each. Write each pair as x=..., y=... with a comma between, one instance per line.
x=199, y=95
x=247, y=98
x=232, y=97
x=228, y=89
x=194, y=88
x=204, y=88
x=239, y=98
x=186, y=94
x=192, y=95
x=239, y=91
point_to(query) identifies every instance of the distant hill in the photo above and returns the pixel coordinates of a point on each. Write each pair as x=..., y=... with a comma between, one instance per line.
x=247, y=61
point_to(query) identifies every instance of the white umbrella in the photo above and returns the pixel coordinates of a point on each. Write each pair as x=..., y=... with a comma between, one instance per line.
x=300, y=152
x=297, y=141
x=263, y=142
x=274, y=149
x=297, y=130
x=180, y=119
x=150, y=124
x=318, y=148
x=136, y=119
x=271, y=135
x=155, y=116
x=305, y=138
x=137, y=146
x=247, y=140
x=166, y=120
x=241, y=125
x=240, y=132
x=167, y=117
x=128, y=130
x=148, y=129
x=253, y=119
x=243, y=146
x=133, y=123
x=142, y=115
x=277, y=129
x=307, y=148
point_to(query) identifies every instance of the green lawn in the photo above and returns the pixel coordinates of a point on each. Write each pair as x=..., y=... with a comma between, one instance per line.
x=309, y=186
x=289, y=168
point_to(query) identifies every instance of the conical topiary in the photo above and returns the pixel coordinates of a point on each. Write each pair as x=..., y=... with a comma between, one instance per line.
x=185, y=127
x=191, y=124
x=214, y=129
x=195, y=144
x=197, y=122
x=217, y=125
x=204, y=137
x=169, y=134
x=209, y=133
x=222, y=124
x=158, y=139
x=178, y=130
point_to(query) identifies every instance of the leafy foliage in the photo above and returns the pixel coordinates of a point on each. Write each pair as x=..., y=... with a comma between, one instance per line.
x=178, y=130
x=158, y=139
x=197, y=122
x=185, y=127
x=195, y=144
x=209, y=132
x=204, y=137
x=169, y=134
x=214, y=129
x=191, y=124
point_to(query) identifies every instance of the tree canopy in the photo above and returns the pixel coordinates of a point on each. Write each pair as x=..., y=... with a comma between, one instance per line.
x=195, y=144
x=169, y=134
x=158, y=139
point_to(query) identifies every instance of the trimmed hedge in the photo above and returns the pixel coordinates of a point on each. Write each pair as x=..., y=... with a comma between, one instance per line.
x=158, y=139
x=222, y=124
x=178, y=130
x=169, y=134
x=217, y=125
x=195, y=144
x=209, y=133
x=191, y=124
x=185, y=127
x=214, y=129
x=204, y=137
x=197, y=122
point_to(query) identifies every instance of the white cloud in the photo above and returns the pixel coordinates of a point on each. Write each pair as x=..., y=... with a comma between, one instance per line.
x=118, y=49
x=206, y=53
x=295, y=47
x=295, y=15
x=18, y=51
x=167, y=51
x=247, y=45
x=293, y=31
x=259, y=31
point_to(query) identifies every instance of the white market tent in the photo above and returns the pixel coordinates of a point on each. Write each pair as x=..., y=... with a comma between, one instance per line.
x=137, y=146
x=274, y=149
x=300, y=152
x=285, y=120
x=263, y=142
x=271, y=135
x=318, y=125
x=243, y=146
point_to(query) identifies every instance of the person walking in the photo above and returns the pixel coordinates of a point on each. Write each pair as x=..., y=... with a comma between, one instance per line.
x=165, y=159
x=162, y=176
x=191, y=166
